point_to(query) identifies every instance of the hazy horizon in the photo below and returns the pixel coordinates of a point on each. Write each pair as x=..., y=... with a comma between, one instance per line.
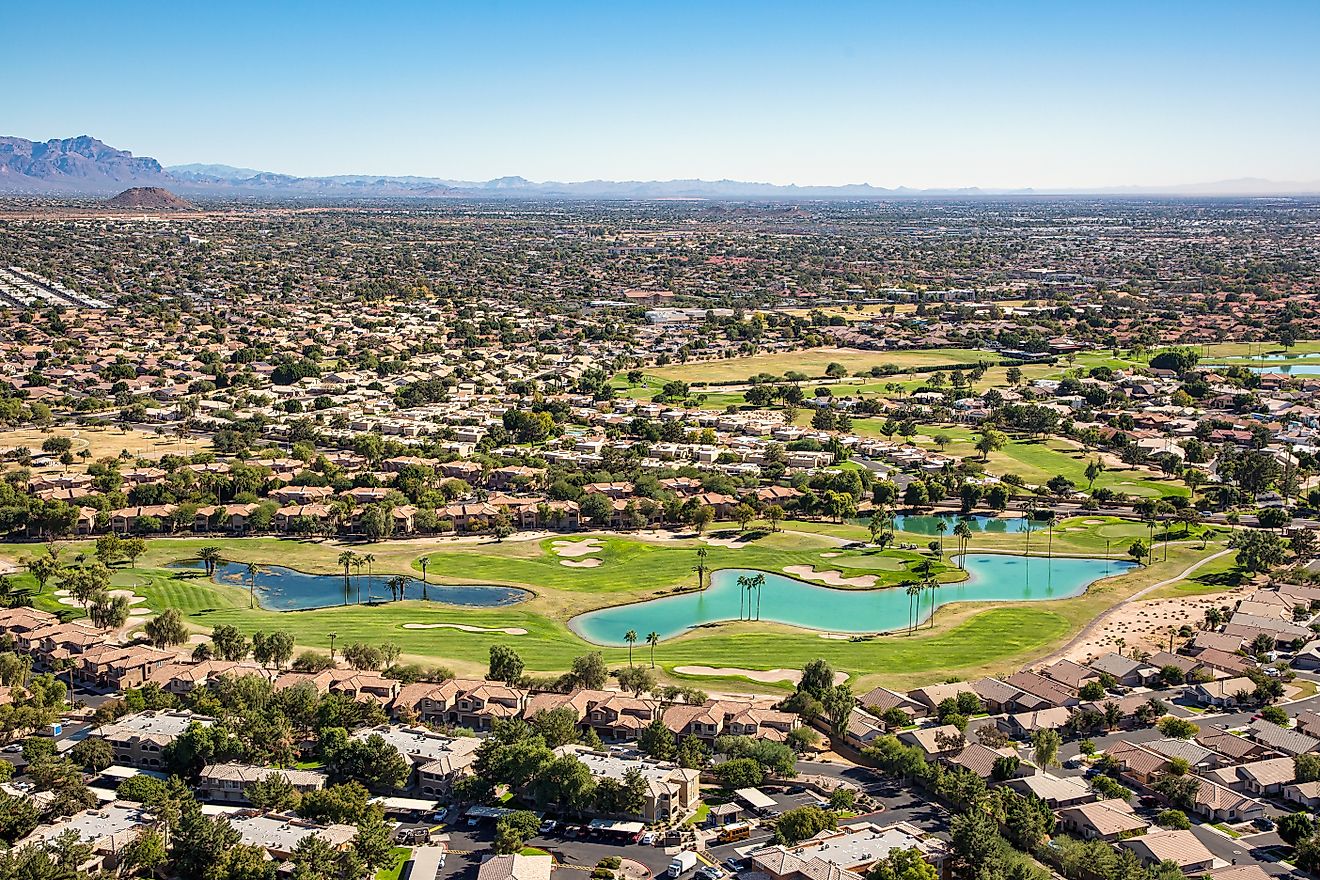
x=951, y=95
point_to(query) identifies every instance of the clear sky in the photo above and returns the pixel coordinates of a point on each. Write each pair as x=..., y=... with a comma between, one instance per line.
x=920, y=93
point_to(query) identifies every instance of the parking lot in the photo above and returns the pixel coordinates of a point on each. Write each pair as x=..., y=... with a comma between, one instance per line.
x=569, y=851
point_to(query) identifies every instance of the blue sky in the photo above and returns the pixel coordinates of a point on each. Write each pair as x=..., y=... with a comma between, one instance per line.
x=1049, y=94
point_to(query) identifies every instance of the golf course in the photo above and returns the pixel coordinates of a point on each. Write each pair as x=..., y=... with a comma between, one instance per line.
x=565, y=576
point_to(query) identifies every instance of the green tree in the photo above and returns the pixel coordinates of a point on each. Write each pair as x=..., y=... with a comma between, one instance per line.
x=505, y=665
x=513, y=830
x=1045, y=747
x=167, y=629
x=801, y=823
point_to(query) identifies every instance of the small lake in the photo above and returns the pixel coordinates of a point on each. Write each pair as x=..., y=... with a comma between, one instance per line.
x=992, y=577
x=284, y=589
x=928, y=524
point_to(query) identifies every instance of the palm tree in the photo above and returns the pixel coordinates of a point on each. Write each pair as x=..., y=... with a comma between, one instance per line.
x=252, y=584
x=346, y=559
x=653, y=639
x=1049, y=547
x=931, y=585
x=358, y=562
x=760, y=584
x=333, y=636
x=913, y=590
x=631, y=638
x=964, y=534
x=398, y=585
x=941, y=527
x=876, y=525
x=368, y=559
x=700, y=567
x=423, y=563
x=210, y=557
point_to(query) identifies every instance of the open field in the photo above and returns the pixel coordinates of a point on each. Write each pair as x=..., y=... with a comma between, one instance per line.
x=813, y=362
x=102, y=443
x=966, y=639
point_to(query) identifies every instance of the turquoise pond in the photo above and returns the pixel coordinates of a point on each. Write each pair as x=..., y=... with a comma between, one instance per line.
x=992, y=577
x=284, y=589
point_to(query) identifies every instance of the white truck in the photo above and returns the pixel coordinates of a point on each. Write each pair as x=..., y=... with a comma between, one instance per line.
x=682, y=863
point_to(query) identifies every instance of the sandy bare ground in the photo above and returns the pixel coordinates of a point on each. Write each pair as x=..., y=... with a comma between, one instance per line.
x=830, y=576
x=573, y=549
x=64, y=598
x=764, y=676
x=507, y=630
x=579, y=563
x=1146, y=625
x=729, y=543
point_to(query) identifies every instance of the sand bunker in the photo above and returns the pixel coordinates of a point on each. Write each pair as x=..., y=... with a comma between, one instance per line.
x=507, y=630
x=65, y=599
x=829, y=555
x=580, y=563
x=830, y=576
x=765, y=676
x=576, y=548
x=727, y=543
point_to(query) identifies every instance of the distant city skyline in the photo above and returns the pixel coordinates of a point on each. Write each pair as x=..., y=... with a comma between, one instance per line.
x=940, y=94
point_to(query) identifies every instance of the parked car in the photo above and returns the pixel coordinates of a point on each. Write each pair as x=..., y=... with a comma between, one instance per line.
x=548, y=826
x=648, y=838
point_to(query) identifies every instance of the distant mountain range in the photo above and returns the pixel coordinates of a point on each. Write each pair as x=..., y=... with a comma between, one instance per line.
x=86, y=166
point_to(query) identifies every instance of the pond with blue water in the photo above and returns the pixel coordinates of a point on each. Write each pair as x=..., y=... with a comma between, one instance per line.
x=284, y=589
x=991, y=577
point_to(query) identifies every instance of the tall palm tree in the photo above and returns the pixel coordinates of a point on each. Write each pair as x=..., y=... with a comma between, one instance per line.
x=252, y=584
x=1050, y=524
x=964, y=535
x=358, y=562
x=368, y=559
x=700, y=567
x=346, y=559
x=760, y=585
x=931, y=585
x=631, y=638
x=333, y=636
x=423, y=562
x=653, y=639
x=913, y=590
x=941, y=526
x=210, y=557
x=398, y=585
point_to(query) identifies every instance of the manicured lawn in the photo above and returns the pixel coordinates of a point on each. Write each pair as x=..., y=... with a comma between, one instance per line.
x=1214, y=577
x=401, y=855
x=967, y=639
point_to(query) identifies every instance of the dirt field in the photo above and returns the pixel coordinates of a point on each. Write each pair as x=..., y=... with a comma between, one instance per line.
x=101, y=442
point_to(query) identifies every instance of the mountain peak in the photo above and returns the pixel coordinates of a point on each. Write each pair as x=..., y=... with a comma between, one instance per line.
x=79, y=164
x=150, y=198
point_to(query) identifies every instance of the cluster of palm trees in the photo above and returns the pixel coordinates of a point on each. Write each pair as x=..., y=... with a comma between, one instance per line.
x=348, y=559
x=748, y=584
x=927, y=584
x=652, y=639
